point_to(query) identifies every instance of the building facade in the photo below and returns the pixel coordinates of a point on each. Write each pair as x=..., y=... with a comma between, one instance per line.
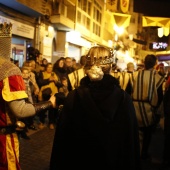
x=61, y=28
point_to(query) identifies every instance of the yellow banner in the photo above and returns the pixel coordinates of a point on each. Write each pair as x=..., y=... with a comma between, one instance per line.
x=111, y=5
x=155, y=21
x=124, y=5
x=121, y=20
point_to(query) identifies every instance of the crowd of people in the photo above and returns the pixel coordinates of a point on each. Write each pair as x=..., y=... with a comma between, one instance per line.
x=15, y=106
x=97, y=111
x=43, y=79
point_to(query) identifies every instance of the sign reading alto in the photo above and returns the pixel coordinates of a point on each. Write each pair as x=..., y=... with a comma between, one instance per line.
x=124, y=5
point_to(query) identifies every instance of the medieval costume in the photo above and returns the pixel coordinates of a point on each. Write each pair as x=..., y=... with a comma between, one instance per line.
x=125, y=78
x=147, y=97
x=97, y=128
x=12, y=103
x=75, y=77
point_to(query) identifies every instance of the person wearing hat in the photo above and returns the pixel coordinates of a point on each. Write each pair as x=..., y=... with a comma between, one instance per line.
x=97, y=127
x=13, y=105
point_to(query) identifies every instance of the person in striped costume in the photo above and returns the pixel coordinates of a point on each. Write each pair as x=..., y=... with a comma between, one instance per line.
x=76, y=76
x=147, y=97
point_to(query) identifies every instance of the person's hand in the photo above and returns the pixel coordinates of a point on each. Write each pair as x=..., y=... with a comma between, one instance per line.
x=53, y=101
x=53, y=79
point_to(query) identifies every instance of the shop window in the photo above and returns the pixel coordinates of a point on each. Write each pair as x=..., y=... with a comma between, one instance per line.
x=79, y=17
x=84, y=5
x=79, y=3
x=84, y=20
x=96, y=29
x=88, y=23
x=97, y=15
x=89, y=8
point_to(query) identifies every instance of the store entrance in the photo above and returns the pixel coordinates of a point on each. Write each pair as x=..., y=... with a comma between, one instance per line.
x=74, y=51
x=18, y=53
x=19, y=49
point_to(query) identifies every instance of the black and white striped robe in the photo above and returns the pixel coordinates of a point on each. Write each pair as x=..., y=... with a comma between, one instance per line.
x=145, y=95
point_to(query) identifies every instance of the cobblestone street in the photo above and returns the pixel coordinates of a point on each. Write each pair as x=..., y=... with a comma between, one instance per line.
x=35, y=153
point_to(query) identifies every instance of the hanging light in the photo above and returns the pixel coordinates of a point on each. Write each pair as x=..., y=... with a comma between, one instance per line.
x=166, y=31
x=119, y=30
x=160, y=32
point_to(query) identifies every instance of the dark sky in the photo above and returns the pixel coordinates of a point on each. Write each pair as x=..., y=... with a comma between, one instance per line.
x=158, y=8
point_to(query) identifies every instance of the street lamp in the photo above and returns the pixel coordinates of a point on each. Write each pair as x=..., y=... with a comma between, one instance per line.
x=119, y=31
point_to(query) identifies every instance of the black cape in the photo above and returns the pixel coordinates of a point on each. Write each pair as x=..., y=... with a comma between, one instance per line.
x=97, y=129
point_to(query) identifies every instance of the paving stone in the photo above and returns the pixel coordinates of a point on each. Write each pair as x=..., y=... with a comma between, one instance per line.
x=35, y=153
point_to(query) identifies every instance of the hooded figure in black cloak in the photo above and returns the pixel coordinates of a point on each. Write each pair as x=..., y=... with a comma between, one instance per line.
x=97, y=128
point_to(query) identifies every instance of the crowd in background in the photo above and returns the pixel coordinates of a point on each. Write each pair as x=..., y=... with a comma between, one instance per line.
x=42, y=79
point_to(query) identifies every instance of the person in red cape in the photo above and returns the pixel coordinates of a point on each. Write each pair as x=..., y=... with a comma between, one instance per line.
x=13, y=105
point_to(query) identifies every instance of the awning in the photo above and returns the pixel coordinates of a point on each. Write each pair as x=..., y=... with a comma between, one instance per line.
x=17, y=5
x=121, y=20
x=155, y=21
